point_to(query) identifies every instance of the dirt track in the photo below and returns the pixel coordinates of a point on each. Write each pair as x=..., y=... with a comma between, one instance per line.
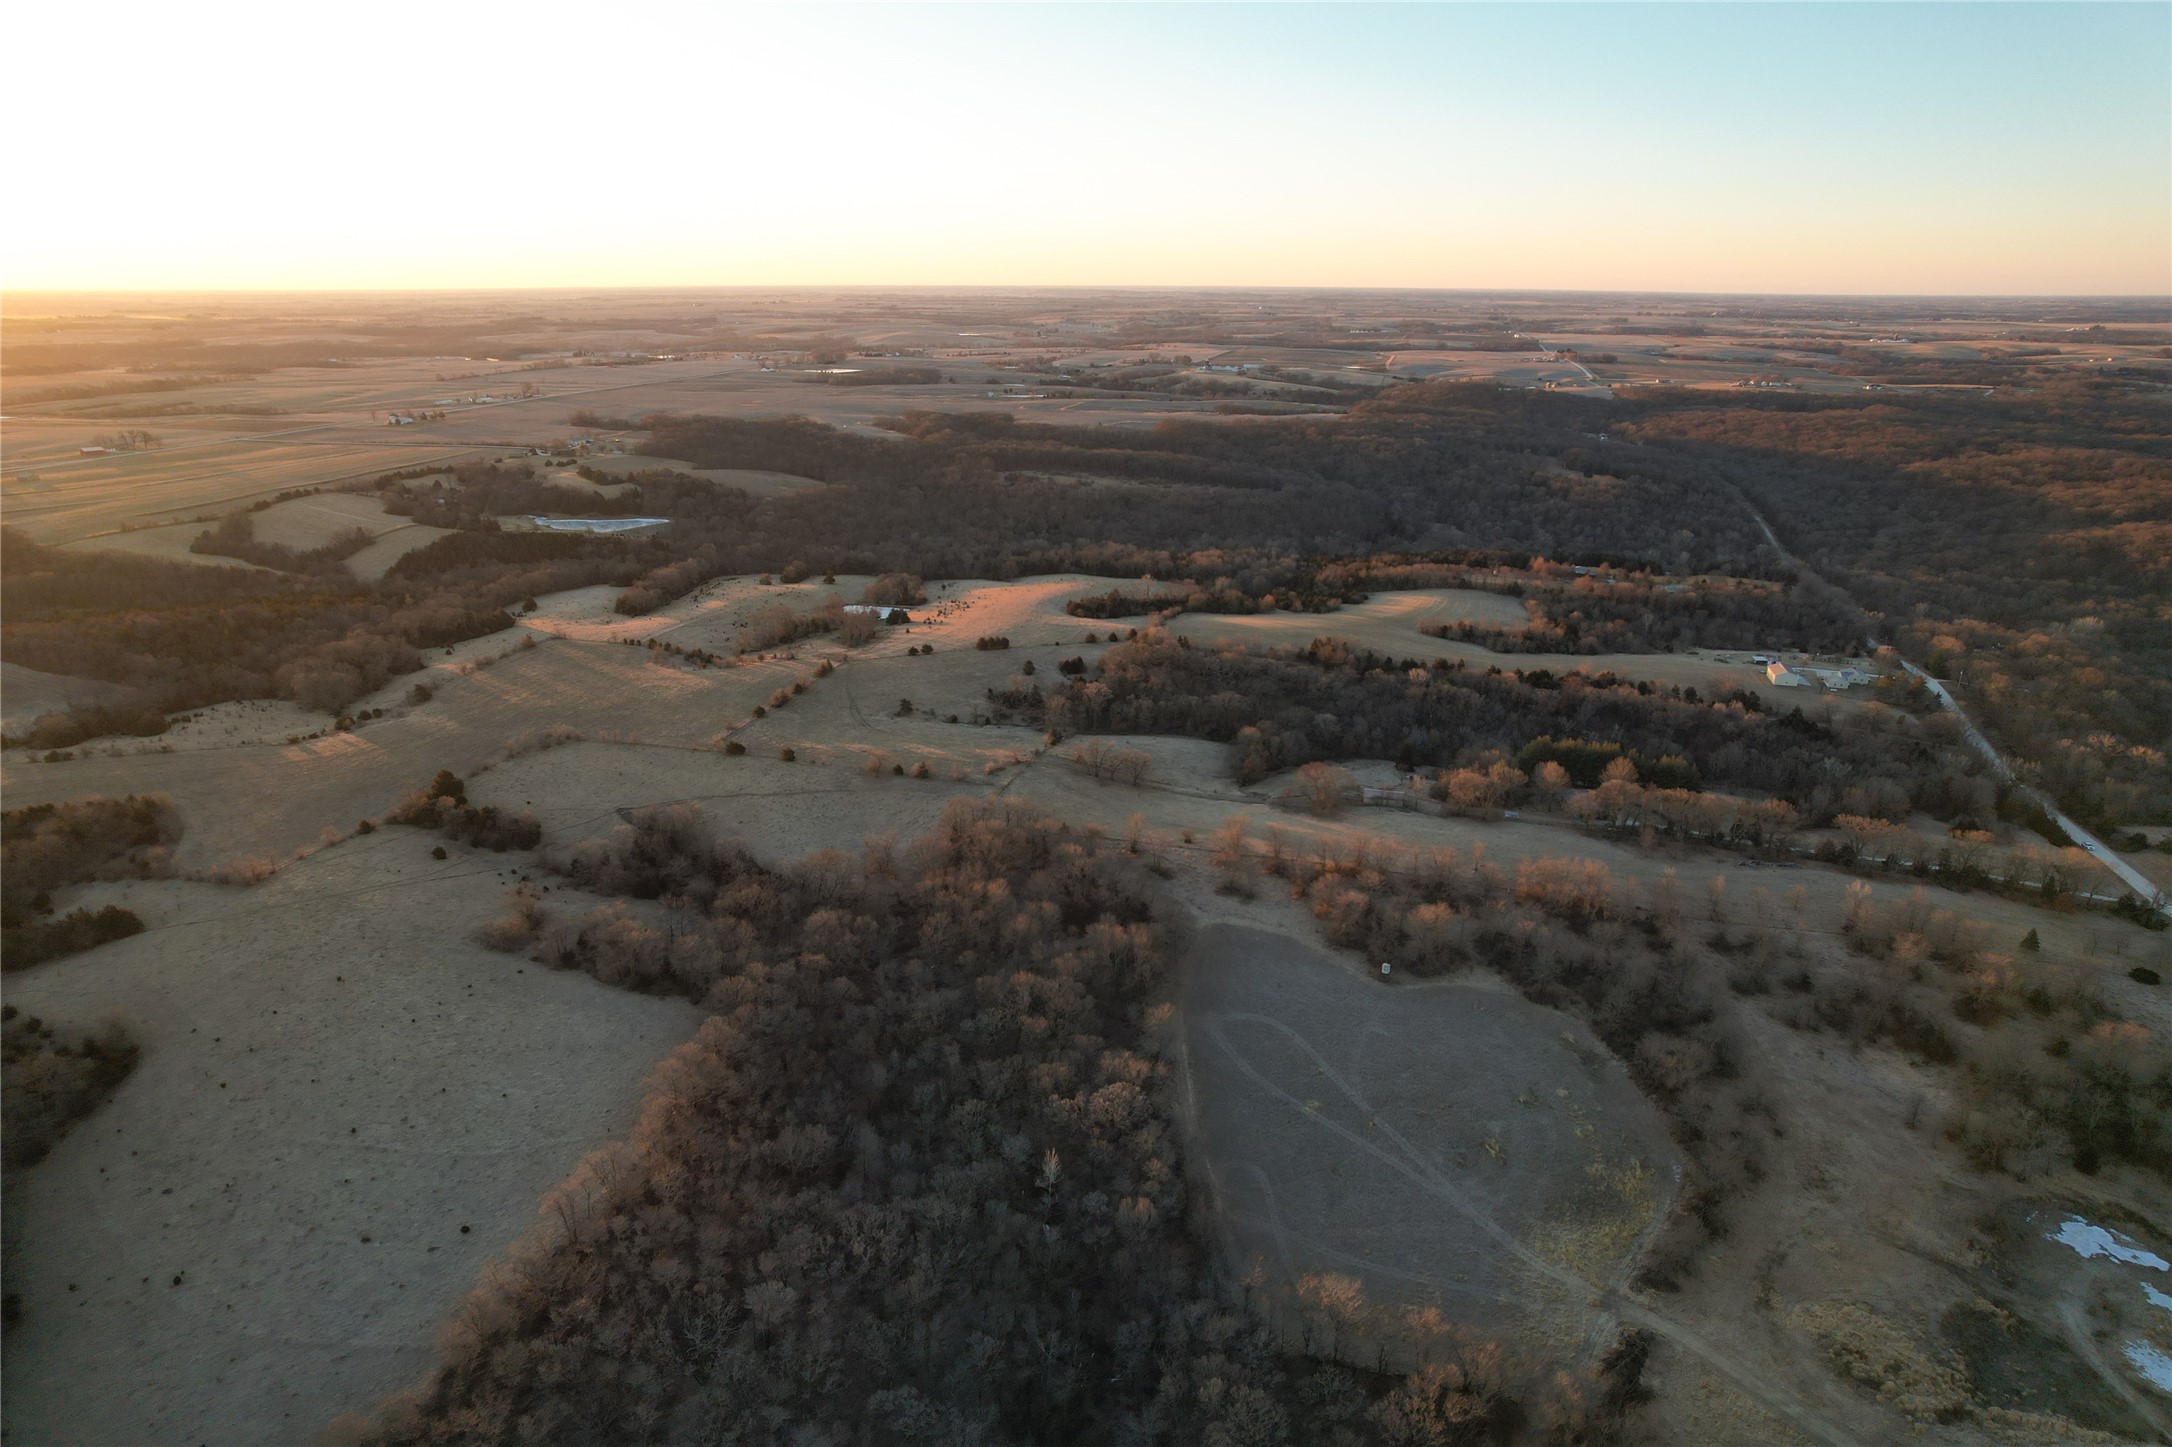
x=1447, y=1143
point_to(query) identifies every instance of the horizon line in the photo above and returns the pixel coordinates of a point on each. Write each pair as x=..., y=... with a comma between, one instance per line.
x=2164, y=298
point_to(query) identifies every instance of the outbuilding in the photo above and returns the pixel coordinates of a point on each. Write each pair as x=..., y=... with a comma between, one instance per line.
x=1781, y=676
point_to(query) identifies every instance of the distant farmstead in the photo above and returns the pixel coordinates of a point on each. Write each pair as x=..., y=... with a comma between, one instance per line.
x=1780, y=675
x=887, y=612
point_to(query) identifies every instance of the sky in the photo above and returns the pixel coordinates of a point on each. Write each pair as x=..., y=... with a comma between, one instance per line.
x=1948, y=148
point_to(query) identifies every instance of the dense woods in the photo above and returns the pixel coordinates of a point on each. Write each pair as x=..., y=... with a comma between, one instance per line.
x=2016, y=543
x=2020, y=544
x=948, y=496
x=1442, y=466
x=916, y=1179
x=1285, y=708
x=39, y=583
x=185, y=636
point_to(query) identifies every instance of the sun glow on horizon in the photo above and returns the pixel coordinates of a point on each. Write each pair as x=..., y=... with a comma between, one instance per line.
x=1926, y=150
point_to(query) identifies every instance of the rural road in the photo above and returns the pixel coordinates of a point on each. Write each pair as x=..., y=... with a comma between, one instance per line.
x=1556, y=354
x=2124, y=872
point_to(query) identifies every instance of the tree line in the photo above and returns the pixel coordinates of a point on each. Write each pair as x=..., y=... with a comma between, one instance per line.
x=1642, y=614
x=234, y=536
x=1330, y=700
x=50, y=1079
x=45, y=848
x=916, y=1179
x=2019, y=544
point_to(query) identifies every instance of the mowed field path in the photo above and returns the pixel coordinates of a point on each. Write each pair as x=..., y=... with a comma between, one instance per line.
x=1416, y=1135
x=1437, y=1142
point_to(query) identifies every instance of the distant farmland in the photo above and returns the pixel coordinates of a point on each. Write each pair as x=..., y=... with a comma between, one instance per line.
x=70, y=499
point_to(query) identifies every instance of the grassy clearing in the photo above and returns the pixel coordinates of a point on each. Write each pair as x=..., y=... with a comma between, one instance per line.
x=1413, y=1137
x=342, y=1110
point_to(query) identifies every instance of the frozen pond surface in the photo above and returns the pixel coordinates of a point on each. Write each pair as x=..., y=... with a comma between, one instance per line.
x=596, y=525
x=2151, y=1363
x=2092, y=1242
x=2089, y=1240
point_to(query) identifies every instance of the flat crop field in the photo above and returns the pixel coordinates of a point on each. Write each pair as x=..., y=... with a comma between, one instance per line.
x=68, y=500
x=301, y=524
x=391, y=546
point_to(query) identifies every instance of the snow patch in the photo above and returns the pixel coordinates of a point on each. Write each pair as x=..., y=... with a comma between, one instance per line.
x=2089, y=1240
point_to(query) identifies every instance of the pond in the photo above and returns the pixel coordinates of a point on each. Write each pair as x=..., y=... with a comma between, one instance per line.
x=596, y=525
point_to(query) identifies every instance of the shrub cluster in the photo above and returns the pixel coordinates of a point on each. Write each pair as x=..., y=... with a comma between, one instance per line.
x=48, y=847
x=35, y=941
x=895, y=590
x=773, y=625
x=52, y=1080
x=444, y=807
x=2049, y=1073
x=1104, y=761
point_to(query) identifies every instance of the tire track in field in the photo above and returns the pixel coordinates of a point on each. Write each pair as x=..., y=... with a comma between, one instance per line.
x=1409, y=1163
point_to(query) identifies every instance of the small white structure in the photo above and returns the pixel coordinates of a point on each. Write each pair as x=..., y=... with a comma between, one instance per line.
x=1780, y=675
x=887, y=612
